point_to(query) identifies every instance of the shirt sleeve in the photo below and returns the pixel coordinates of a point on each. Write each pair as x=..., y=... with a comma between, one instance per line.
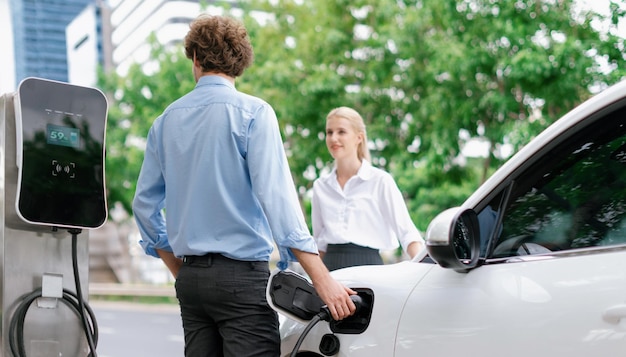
x=396, y=214
x=149, y=202
x=274, y=187
x=317, y=220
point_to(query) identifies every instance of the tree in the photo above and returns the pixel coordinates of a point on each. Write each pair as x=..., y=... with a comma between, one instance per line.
x=421, y=73
x=427, y=76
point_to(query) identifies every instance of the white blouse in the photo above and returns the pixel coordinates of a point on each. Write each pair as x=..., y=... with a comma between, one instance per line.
x=370, y=211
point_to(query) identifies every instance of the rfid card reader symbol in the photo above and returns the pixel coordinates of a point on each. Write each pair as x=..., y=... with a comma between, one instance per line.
x=60, y=169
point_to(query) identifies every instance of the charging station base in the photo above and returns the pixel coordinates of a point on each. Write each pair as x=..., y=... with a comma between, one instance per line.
x=29, y=253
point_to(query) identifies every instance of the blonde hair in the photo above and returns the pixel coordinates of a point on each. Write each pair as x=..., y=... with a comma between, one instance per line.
x=357, y=123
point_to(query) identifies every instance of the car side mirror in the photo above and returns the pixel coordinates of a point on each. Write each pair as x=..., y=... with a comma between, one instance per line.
x=452, y=239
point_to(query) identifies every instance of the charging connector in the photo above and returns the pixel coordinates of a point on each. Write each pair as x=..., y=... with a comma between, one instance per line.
x=323, y=315
x=295, y=296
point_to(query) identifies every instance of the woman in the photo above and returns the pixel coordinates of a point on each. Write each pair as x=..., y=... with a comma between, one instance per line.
x=357, y=210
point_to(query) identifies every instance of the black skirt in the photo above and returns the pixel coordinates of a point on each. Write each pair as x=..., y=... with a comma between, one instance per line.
x=347, y=255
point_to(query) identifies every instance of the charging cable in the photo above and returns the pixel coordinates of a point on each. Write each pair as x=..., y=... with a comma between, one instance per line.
x=317, y=318
x=323, y=315
x=90, y=327
x=74, y=300
x=16, y=327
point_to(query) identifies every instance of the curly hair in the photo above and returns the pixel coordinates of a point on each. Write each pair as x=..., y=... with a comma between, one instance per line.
x=220, y=44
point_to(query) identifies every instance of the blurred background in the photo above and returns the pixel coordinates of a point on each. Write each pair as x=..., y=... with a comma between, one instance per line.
x=449, y=89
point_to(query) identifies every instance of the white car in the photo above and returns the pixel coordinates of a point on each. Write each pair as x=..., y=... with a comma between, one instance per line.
x=532, y=264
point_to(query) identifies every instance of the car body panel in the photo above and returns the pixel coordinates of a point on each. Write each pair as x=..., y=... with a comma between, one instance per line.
x=391, y=285
x=567, y=302
x=435, y=310
x=518, y=304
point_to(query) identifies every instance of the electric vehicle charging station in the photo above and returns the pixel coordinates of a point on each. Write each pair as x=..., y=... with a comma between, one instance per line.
x=52, y=141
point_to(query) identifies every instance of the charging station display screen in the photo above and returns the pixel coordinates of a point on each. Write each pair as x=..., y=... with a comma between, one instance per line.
x=62, y=135
x=60, y=138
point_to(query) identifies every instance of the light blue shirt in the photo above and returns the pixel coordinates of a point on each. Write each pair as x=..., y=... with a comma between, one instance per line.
x=215, y=162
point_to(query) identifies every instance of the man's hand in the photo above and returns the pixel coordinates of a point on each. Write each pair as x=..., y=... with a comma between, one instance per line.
x=171, y=262
x=334, y=294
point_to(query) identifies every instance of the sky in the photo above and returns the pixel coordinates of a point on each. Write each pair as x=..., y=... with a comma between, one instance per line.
x=7, y=69
x=602, y=7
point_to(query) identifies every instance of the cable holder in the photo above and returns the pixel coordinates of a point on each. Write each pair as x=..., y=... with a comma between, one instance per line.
x=51, y=290
x=48, y=296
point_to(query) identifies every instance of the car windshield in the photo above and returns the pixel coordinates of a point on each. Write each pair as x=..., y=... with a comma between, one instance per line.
x=573, y=197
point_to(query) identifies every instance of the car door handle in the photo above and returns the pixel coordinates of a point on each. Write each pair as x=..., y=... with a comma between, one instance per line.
x=614, y=314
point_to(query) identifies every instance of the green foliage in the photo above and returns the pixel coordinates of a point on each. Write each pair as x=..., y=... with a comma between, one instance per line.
x=136, y=100
x=420, y=73
x=428, y=192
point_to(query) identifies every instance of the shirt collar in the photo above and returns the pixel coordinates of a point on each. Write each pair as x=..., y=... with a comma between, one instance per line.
x=365, y=172
x=213, y=80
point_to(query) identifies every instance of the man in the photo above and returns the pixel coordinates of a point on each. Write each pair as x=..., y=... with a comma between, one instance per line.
x=215, y=163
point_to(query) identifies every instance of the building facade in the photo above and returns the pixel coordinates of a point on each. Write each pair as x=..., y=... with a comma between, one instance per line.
x=39, y=41
x=88, y=39
x=68, y=40
x=134, y=21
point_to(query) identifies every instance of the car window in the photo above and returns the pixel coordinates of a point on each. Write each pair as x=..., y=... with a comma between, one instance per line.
x=573, y=197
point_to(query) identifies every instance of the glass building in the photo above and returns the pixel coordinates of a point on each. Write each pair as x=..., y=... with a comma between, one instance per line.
x=39, y=36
